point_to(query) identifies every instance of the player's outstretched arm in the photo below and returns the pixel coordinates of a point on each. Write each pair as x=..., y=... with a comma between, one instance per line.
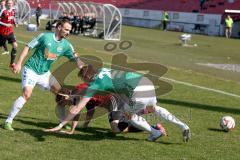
x=73, y=112
x=22, y=57
x=79, y=63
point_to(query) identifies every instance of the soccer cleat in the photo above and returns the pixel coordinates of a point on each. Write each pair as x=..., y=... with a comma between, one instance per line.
x=154, y=137
x=8, y=126
x=5, y=52
x=160, y=127
x=186, y=135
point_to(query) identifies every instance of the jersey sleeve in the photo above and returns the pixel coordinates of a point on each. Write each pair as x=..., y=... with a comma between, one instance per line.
x=70, y=52
x=36, y=41
x=91, y=90
x=1, y=13
x=1, y=17
x=15, y=18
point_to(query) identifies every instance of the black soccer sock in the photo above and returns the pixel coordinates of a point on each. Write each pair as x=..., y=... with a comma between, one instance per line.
x=5, y=47
x=13, y=55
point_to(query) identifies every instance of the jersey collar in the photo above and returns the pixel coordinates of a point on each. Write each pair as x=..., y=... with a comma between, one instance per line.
x=54, y=37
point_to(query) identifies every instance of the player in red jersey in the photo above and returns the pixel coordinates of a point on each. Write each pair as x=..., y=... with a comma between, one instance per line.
x=2, y=7
x=6, y=29
x=111, y=102
x=108, y=101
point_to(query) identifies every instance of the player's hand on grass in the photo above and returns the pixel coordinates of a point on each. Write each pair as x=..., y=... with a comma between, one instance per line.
x=67, y=132
x=55, y=129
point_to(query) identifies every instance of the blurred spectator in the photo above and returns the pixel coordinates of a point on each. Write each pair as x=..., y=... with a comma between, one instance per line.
x=89, y=22
x=64, y=16
x=2, y=7
x=228, y=28
x=92, y=21
x=38, y=14
x=114, y=25
x=71, y=17
x=165, y=20
x=74, y=23
x=202, y=4
x=80, y=24
x=51, y=24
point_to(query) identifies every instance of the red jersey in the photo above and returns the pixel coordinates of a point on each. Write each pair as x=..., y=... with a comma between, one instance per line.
x=96, y=100
x=7, y=16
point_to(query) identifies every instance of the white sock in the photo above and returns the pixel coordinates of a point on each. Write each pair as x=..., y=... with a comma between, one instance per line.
x=17, y=106
x=165, y=114
x=142, y=124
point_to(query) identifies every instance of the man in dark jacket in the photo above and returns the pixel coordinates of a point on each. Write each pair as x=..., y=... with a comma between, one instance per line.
x=38, y=13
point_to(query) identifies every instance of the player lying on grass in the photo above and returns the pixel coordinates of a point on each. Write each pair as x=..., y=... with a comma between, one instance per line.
x=111, y=102
x=137, y=91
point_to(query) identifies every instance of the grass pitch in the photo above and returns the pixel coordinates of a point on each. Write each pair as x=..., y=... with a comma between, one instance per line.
x=201, y=95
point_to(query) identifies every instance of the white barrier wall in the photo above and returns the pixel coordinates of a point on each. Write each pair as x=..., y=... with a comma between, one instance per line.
x=209, y=24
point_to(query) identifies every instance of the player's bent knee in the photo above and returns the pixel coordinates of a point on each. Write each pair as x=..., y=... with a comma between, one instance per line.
x=26, y=94
x=15, y=45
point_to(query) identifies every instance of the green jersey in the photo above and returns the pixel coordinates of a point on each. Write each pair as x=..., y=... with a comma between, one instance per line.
x=47, y=51
x=108, y=80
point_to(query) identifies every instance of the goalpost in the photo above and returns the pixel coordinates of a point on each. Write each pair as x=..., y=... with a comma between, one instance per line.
x=108, y=17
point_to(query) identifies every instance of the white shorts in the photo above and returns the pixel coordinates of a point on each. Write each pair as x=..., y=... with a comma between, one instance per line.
x=143, y=95
x=31, y=78
x=139, y=104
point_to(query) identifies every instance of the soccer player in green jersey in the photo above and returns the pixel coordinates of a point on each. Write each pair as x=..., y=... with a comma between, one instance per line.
x=137, y=91
x=36, y=71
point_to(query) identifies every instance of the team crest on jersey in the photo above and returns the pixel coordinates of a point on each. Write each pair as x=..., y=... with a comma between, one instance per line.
x=59, y=49
x=49, y=56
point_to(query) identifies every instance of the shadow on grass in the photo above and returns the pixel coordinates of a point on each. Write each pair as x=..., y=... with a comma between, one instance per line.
x=167, y=143
x=83, y=134
x=18, y=118
x=216, y=130
x=199, y=106
x=10, y=79
x=87, y=134
x=3, y=68
x=90, y=134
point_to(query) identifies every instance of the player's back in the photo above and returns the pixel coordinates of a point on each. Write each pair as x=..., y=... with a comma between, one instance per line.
x=115, y=81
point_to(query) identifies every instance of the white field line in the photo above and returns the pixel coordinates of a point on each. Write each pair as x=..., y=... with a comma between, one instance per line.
x=185, y=83
x=21, y=42
x=201, y=87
